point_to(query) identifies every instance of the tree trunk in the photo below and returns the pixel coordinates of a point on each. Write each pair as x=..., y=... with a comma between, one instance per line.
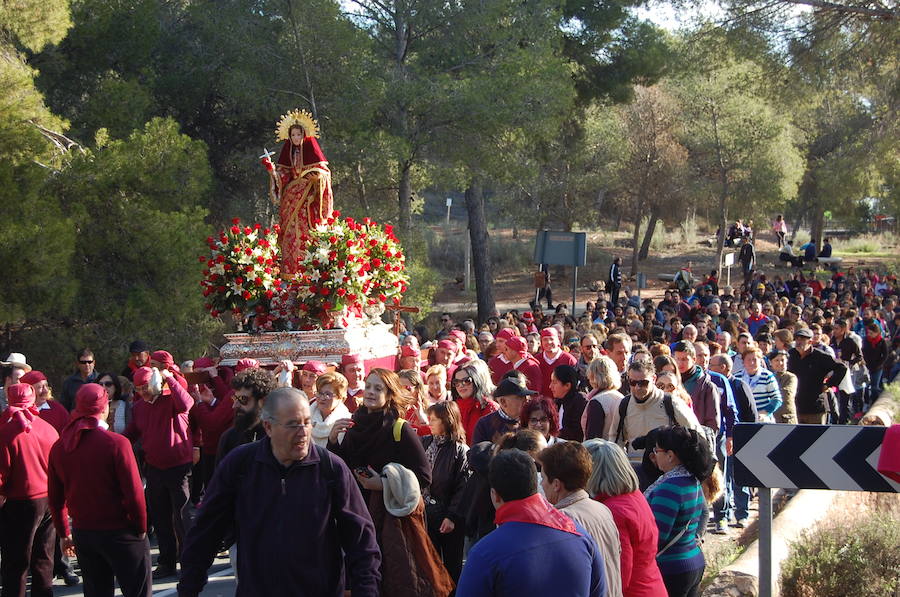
x=361, y=188
x=634, y=244
x=817, y=225
x=404, y=196
x=723, y=194
x=481, y=251
x=648, y=235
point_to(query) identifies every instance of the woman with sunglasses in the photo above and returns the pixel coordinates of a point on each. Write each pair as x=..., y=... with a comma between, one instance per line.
x=119, y=405
x=472, y=391
x=677, y=502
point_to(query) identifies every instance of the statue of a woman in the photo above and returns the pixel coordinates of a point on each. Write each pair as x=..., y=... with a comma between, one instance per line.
x=300, y=184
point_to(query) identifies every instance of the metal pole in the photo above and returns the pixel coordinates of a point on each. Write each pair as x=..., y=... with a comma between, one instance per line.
x=766, y=586
x=574, y=288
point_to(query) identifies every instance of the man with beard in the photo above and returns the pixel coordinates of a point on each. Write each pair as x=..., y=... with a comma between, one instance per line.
x=251, y=386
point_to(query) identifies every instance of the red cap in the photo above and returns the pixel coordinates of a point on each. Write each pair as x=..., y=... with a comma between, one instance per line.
x=142, y=376
x=32, y=377
x=528, y=316
x=505, y=334
x=246, y=364
x=517, y=343
x=550, y=332
x=316, y=366
x=448, y=344
x=349, y=359
x=408, y=351
x=20, y=395
x=161, y=356
x=459, y=335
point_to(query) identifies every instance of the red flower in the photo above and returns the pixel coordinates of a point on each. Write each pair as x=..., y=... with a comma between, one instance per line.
x=276, y=228
x=376, y=262
x=258, y=281
x=327, y=306
x=332, y=239
x=239, y=281
x=214, y=313
x=246, y=295
x=235, y=230
x=349, y=243
x=373, y=243
x=248, y=251
x=325, y=291
x=235, y=221
x=335, y=214
x=341, y=291
x=266, y=231
x=256, y=226
x=247, y=230
x=270, y=294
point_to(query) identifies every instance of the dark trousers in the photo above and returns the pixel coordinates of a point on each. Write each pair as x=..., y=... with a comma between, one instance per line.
x=450, y=548
x=168, y=493
x=27, y=538
x=686, y=584
x=106, y=556
x=614, y=295
x=61, y=563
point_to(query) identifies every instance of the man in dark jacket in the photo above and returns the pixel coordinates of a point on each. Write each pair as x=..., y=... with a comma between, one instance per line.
x=251, y=386
x=294, y=508
x=614, y=281
x=704, y=393
x=812, y=367
x=747, y=258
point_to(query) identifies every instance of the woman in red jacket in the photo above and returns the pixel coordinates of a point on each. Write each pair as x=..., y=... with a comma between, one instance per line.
x=614, y=483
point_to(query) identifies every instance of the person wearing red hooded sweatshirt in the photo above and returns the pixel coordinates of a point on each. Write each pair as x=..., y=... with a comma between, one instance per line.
x=48, y=409
x=499, y=364
x=26, y=530
x=551, y=357
x=93, y=475
x=517, y=354
x=163, y=360
x=160, y=421
x=210, y=417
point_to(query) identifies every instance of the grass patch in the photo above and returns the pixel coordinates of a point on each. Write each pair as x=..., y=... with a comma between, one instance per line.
x=717, y=560
x=859, y=556
x=867, y=244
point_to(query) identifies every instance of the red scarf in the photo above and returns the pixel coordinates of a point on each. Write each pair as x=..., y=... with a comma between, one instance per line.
x=873, y=342
x=90, y=401
x=535, y=510
x=20, y=409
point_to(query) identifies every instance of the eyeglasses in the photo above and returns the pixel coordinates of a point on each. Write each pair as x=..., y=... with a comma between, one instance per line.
x=293, y=427
x=86, y=362
x=242, y=400
x=639, y=383
x=538, y=421
x=326, y=395
x=107, y=384
x=462, y=382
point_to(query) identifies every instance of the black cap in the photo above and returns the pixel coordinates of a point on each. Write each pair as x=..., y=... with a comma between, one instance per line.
x=803, y=333
x=138, y=346
x=511, y=387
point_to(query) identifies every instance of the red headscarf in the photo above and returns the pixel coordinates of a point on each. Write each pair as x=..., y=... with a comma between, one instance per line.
x=20, y=410
x=90, y=401
x=312, y=153
x=535, y=509
x=142, y=376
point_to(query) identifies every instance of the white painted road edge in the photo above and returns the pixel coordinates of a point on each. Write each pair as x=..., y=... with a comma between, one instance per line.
x=226, y=572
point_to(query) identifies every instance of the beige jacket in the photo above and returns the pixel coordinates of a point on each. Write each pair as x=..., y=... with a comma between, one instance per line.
x=650, y=414
x=598, y=521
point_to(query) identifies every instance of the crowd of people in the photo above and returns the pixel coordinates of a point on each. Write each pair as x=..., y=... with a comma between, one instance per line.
x=538, y=452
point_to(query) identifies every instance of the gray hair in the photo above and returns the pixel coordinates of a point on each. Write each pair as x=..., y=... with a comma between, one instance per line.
x=723, y=359
x=612, y=474
x=481, y=377
x=605, y=373
x=280, y=396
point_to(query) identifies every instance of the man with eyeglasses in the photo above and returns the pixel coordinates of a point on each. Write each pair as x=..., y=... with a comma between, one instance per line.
x=160, y=422
x=590, y=350
x=645, y=409
x=285, y=495
x=446, y=322
x=84, y=373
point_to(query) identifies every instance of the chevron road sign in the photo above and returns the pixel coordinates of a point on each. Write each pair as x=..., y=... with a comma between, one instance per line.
x=841, y=457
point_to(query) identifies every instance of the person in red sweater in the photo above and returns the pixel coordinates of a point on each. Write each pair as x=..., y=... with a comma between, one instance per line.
x=56, y=414
x=517, y=354
x=614, y=483
x=160, y=422
x=93, y=475
x=551, y=357
x=48, y=409
x=210, y=417
x=499, y=364
x=26, y=530
x=164, y=361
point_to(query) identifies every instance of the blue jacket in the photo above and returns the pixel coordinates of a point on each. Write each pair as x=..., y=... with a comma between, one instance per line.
x=291, y=524
x=519, y=558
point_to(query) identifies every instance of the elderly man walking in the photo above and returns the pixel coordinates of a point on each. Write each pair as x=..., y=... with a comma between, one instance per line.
x=294, y=508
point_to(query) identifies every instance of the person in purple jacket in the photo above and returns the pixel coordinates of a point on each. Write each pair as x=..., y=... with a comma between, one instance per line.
x=535, y=549
x=294, y=508
x=160, y=421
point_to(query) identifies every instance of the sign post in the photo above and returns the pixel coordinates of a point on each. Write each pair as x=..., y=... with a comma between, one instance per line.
x=449, y=203
x=727, y=262
x=768, y=455
x=562, y=248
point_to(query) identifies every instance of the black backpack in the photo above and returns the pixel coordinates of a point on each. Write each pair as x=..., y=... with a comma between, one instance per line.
x=623, y=410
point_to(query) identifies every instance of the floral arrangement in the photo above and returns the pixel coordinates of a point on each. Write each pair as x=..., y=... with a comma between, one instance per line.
x=347, y=268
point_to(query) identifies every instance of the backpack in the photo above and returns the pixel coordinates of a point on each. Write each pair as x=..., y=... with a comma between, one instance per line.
x=623, y=410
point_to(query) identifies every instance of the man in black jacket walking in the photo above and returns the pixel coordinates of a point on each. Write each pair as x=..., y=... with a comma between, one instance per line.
x=614, y=282
x=812, y=367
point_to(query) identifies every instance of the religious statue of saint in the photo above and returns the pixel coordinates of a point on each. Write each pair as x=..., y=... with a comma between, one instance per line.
x=300, y=184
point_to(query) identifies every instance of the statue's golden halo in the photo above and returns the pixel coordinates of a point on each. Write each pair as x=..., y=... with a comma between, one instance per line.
x=301, y=117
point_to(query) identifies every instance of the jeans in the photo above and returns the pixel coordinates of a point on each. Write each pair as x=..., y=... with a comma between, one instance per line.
x=850, y=404
x=735, y=499
x=722, y=507
x=874, y=385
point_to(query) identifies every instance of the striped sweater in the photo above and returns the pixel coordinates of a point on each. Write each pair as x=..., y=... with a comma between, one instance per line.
x=677, y=503
x=766, y=392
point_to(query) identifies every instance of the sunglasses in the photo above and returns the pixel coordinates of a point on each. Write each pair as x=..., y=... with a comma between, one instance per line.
x=462, y=382
x=86, y=362
x=107, y=384
x=639, y=383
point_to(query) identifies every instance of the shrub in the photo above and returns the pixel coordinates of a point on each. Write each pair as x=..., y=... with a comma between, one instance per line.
x=859, y=557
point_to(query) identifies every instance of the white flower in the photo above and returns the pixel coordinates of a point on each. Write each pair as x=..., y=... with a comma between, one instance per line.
x=218, y=268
